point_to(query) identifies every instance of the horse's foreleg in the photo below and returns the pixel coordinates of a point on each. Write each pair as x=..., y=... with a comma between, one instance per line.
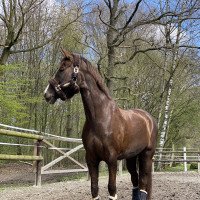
x=112, y=168
x=93, y=168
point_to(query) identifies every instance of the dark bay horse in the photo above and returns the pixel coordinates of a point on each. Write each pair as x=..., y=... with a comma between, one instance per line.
x=109, y=133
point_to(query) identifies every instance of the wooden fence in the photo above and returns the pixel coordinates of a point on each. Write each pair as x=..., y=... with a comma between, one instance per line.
x=185, y=156
x=169, y=156
x=37, y=158
x=43, y=139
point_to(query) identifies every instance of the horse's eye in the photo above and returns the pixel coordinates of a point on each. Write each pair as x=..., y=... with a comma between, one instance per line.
x=62, y=68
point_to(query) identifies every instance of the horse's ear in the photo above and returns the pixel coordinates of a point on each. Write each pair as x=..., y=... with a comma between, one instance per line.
x=67, y=54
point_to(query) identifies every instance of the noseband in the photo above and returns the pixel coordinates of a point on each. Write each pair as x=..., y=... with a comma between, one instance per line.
x=60, y=87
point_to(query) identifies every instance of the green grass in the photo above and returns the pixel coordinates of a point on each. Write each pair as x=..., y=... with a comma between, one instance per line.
x=177, y=168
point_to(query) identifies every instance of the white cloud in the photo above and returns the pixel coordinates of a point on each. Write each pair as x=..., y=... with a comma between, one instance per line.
x=157, y=34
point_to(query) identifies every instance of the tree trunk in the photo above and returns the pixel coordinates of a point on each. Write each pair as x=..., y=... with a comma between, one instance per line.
x=165, y=124
x=166, y=115
x=4, y=56
x=110, y=42
x=3, y=59
x=110, y=68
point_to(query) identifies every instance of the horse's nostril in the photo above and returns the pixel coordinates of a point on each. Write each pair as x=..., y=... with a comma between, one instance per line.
x=47, y=96
x=50, y=98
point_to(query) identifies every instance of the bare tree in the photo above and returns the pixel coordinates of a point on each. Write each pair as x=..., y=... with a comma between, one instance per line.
x=177, y=43
x=14, y=18
x=119, y=20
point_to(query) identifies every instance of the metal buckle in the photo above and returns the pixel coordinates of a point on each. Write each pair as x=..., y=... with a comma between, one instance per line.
x=76, y=70
x=58, y=88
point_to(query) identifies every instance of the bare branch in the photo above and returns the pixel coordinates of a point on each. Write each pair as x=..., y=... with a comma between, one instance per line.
x=3, y=45
x=155, y=63
x=3, y=18
x=48, y=40
x=4, y=9
x=100, y=13
x=189, y=46
x=125, y=31
x=153, y=49
x=108, y=3
x=133, y=14
x=87, y=45
x=135, y=53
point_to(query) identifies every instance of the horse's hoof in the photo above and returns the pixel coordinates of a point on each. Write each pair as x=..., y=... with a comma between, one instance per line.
x=143, y=195
x=113, y=198
x=136, y=194
x=96, y=198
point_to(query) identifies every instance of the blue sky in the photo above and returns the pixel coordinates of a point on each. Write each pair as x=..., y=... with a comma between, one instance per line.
x=149, y=4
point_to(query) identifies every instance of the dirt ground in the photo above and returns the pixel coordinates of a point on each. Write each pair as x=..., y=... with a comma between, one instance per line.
x=166, y=186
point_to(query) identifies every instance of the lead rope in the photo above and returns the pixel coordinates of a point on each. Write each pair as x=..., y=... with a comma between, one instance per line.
x=113, y=198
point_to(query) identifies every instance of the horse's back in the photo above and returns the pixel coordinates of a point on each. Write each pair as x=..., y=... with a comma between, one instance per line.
x=137, y=116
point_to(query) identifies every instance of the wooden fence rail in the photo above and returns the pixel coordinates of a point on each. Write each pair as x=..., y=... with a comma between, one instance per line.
x=21, y=134
x=20, y=157
x=36, y=157
x=169, y=156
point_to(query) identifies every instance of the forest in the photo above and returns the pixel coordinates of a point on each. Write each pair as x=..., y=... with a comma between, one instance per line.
x=146, y=51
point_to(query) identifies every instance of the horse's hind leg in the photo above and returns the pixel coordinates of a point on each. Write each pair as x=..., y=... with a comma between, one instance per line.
x=131, y=165
x=145, y=174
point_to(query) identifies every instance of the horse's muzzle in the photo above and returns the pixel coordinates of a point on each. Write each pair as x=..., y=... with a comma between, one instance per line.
x=49, y=98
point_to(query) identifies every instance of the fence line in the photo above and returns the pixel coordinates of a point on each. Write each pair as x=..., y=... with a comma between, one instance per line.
x=18, y=128
x=13, y=144
x=45, y=135
x=37, y=158
x=169, y=157
x=40, y=137
x=20, y=157
x=21, y=134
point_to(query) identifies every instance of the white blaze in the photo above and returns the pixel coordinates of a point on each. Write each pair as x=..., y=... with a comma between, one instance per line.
x=45, y=91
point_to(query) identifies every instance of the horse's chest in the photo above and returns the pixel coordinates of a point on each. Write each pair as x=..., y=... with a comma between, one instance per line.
x=97, y=146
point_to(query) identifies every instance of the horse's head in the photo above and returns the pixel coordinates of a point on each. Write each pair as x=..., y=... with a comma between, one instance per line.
x=66, y=80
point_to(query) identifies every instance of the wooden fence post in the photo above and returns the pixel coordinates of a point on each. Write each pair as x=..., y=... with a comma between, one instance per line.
x=198, y=162
x=185, y=159
x=153, y=166
x=120, y=167
x=172, y=155
x=38, y=163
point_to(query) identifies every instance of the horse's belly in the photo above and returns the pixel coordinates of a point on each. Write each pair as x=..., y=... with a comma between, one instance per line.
x=130, y=153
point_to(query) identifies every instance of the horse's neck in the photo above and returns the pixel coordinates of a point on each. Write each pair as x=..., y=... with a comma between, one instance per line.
x=96, y=103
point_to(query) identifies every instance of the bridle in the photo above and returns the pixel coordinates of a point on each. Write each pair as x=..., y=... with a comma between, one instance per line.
x=59, y=88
